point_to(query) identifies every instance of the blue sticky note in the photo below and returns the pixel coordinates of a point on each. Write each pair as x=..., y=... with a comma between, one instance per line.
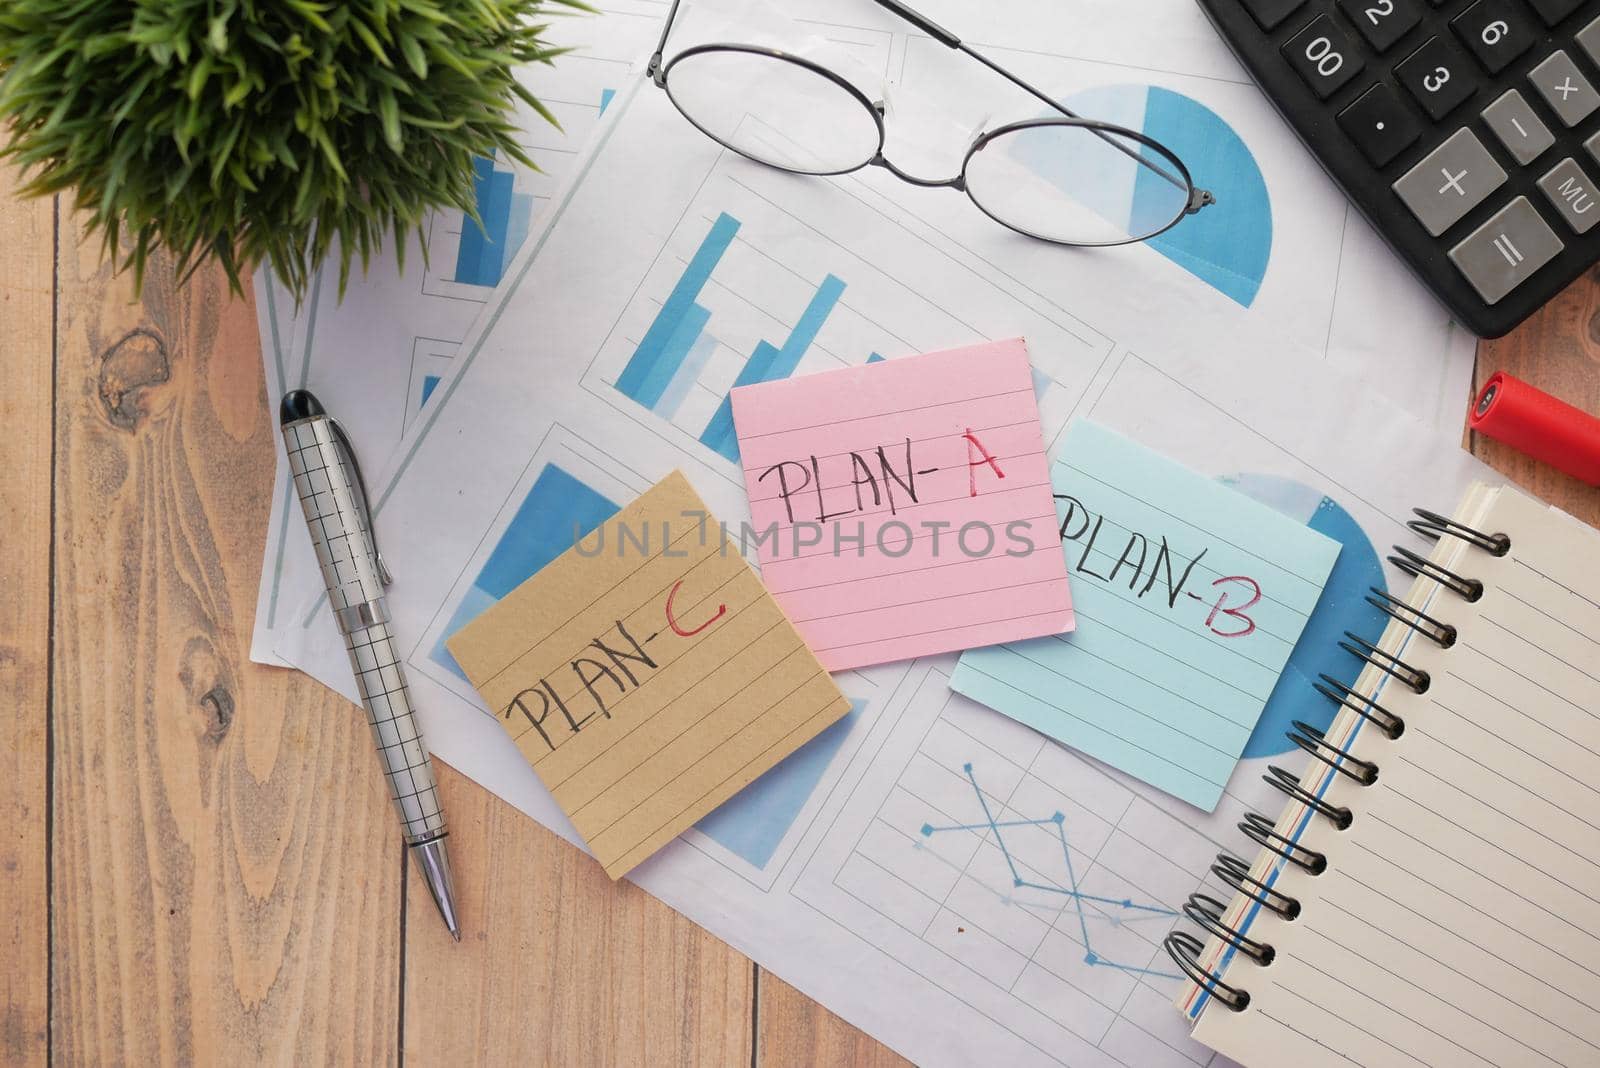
x=1189, y=597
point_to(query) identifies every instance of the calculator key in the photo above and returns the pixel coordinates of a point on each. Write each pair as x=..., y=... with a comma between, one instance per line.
x=1496, y=31
x=1553, y=11
x=1593, y=145
x=1504, y=252
x=1450, y=181
x=1268, y=13
x=1517, y=126
x=1573, y=195
x=1323, y=56
x=1589, y=38
x=1438, y=76
x=1380, y=125
x=1564, y=88
x=1383, y=22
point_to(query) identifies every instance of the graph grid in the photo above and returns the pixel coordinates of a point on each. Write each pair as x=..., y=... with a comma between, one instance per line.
x=1020, y=878
x=1116, y=910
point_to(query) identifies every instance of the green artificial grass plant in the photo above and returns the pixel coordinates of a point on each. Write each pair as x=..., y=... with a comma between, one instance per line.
x=251, y=130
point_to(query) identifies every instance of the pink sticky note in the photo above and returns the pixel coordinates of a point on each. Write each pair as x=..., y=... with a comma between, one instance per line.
x=904, y=508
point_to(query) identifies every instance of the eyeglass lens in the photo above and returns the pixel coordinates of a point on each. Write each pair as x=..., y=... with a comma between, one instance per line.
x=1055, y=180
x=1080, y=185
x=775, y=111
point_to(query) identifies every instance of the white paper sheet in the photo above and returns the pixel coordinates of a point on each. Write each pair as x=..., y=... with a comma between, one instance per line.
x=376, y=355
x=866, y=871
x=1300, y=255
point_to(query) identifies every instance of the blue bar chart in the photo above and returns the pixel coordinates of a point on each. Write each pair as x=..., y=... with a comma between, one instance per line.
x=753, y=823
x=558, y=510
x=735, y=295
x=768, y=363
x=482, y=251
x=676, y=347
x=664, y=352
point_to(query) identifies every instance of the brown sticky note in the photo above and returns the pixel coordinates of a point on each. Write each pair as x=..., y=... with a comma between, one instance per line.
x=647, y=675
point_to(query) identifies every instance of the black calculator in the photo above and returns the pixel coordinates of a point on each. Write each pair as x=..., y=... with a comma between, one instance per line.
x=1467, y=131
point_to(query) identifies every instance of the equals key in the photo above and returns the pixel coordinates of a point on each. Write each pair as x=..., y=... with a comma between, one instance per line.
x=1505, y=252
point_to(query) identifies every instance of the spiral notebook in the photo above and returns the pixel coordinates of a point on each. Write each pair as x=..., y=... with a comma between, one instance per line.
x=1431, y=893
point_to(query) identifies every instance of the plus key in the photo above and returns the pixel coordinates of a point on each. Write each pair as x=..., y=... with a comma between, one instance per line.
x=1450, y=181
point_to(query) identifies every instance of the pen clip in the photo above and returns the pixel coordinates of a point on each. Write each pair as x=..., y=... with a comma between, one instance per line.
x=363, y=502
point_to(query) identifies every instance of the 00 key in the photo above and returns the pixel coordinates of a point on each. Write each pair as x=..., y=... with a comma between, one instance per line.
x=1323, y=56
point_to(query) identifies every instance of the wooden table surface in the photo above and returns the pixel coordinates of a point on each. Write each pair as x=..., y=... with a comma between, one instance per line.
x=198, y=860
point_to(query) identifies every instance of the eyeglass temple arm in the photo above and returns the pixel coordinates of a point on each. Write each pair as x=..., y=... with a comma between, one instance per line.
x=654, y=70
x=950, y=40
x=921, y=22
x=1199, y=198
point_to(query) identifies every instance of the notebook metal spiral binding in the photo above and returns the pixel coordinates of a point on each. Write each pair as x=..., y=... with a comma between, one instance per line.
x=1207, y=912
x=1288, y=782
x=1418, y=566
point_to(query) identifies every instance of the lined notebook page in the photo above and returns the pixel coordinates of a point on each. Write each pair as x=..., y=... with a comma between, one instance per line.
x=904, y=506
x=1196, y=595
x=647, y=675
x=1458, y=922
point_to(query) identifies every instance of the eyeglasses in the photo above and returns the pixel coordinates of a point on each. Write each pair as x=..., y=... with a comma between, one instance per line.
x=1061, y=178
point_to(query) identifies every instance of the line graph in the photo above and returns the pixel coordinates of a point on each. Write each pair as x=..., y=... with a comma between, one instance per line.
x=1021, y=878
x=1058, y=821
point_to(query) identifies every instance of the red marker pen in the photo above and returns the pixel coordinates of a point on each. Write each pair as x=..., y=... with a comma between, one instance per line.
x=1532, y=421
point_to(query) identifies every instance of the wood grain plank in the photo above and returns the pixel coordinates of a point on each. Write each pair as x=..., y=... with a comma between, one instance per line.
x=27, y=263
x=796, y=1030
x=557, y=964
x=1557, y=350
x=226, y=879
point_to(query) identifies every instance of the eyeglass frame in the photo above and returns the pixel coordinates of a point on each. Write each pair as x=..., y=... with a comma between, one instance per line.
x=1198, y=198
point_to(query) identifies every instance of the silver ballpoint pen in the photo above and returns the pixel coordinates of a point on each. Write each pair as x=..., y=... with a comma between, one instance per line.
x=333, y=495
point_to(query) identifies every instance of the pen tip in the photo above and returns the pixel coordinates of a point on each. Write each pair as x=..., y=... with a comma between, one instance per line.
x=434, y=864
x=299, y=404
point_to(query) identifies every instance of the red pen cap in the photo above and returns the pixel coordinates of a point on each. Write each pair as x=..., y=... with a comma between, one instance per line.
x=1532, y=421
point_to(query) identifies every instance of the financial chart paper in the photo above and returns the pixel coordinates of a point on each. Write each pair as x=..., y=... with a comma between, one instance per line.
x=869, y=869
x=1281, y=245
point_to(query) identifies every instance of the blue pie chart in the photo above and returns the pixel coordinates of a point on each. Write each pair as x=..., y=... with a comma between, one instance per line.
x=1342, y=607
x=1226, y=245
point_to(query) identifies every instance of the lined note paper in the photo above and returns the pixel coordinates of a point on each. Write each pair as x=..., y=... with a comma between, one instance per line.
x=647, y=675
x=1190, y=598
x=1457, y=917
x=903, y=508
